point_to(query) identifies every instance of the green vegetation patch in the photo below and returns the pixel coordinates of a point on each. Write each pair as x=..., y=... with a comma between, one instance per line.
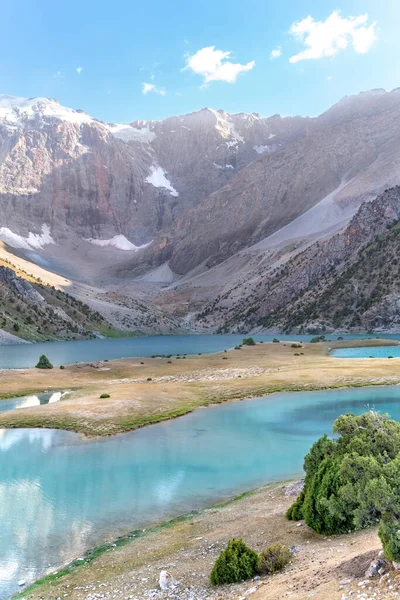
x=352, y=481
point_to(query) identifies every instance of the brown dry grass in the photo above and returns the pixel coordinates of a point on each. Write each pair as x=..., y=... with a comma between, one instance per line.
x=182, y=385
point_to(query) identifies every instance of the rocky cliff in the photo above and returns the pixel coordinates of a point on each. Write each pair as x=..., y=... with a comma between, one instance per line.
x=350, y=280
x=87, y=179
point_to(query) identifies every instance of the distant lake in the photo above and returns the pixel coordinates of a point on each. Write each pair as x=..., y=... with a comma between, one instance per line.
x=374, y=352
x=22, y=356
x=60, y=495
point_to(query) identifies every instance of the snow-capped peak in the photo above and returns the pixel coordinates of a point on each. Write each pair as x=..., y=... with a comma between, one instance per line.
x=15, y=111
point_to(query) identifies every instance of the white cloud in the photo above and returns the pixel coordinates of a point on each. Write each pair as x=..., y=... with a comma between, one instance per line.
x=327, y=38
x=214, y=65
x=79, y=70
x=151, y=87
x=276, y=53
x=329, y=78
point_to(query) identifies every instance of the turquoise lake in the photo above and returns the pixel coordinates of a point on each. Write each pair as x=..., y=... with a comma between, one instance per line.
x=60, y=495
x=22, y=356
x=377, y=352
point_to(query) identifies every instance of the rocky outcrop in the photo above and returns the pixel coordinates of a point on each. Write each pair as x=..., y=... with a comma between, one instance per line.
x=19, y=287
x=311, y=286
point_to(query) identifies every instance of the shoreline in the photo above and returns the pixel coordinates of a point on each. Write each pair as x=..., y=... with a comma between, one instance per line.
x=297, y=375
x=107, y=435
x=189, y=544
x=134, y=535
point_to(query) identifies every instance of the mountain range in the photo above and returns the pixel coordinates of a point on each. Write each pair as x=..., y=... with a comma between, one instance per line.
x=207, y=221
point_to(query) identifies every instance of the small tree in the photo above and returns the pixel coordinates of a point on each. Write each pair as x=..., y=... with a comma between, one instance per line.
x=44, y=363
x=389, y=534
x=248, y=341
x=236, y=563
x=352, y=481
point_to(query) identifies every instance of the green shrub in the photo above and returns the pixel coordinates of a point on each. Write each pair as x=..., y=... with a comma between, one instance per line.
x=318, y=338
x=390, y=356
x=352, y=481
x=340, y=338
x=44, y=363
x=275, y=341
x=248, y=341
x=104, y=396
x=238, y=347
x=389, y=534
x=149, y=379
x=235, y=564
x=273, y=559
x=296, y=346
x=62, y=367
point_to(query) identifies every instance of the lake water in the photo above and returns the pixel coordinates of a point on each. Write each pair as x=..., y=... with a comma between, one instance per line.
x=60, y=495
x=30, y=401
x=22, y=356
x=377, y=352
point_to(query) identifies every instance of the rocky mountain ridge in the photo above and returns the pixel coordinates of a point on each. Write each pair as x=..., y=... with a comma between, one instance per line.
x=348, y=161
x=196, y=214
x=87, y=179
x=346, y=281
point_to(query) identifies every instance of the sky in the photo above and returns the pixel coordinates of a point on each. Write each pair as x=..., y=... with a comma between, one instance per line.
x=125, y=60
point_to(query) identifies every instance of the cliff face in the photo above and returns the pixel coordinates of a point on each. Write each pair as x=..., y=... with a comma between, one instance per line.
x=85, y=178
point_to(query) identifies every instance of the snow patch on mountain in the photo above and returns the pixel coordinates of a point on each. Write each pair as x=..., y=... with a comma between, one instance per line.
x=129, y=133
x=34, y=240
x=261, y=149
x=223, y=166
x=158, y=179
x=15, y=111
x=118, y=241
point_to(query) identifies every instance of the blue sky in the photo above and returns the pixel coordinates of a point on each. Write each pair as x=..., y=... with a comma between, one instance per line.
x=122, y=45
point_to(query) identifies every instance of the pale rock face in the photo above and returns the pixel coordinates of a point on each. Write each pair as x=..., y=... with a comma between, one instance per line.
x=88, y=179
x=165, y=580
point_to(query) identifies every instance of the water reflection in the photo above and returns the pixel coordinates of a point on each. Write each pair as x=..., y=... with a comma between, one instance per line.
x=30, y=401
x=59, y=495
